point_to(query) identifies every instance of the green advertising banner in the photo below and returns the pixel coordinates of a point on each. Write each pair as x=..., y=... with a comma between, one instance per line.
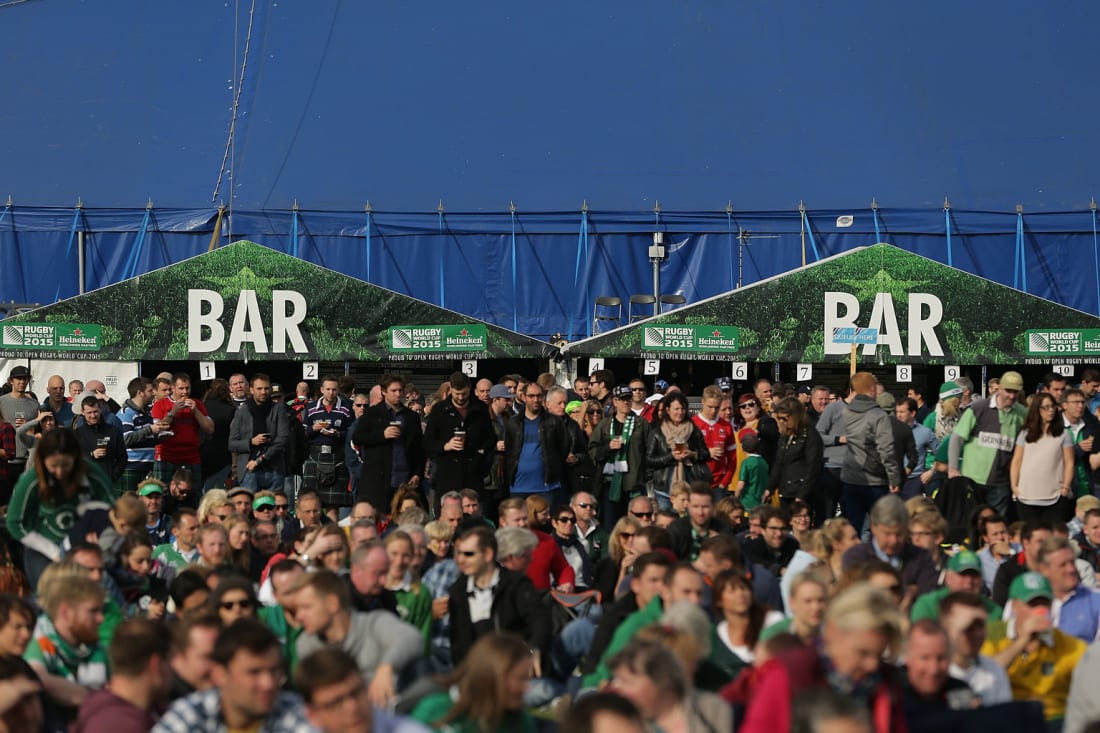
x=921, y=311
x=659, y=342
x=50, y=337
x=246, y=301
x=1058, y=344
x=469, y=338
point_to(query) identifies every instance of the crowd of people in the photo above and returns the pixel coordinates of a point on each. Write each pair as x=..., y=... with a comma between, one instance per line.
x=525, y=555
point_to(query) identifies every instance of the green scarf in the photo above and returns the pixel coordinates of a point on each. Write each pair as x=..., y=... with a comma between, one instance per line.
x=617, y=466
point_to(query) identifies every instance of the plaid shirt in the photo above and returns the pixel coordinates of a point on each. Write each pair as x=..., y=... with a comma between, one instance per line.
x=439, y=579
x=200, y=712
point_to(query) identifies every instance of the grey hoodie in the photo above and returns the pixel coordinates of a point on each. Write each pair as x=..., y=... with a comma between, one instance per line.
x=870, y=460
x=374, y=638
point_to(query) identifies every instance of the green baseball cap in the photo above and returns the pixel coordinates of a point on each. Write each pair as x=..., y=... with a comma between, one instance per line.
x=1029, y=586
x=950, y=389
x=150, y=488
x=964, y=560
x=263, y=501
x=573, y=407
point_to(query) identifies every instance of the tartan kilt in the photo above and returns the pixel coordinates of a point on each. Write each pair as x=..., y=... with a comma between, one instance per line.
x=330, y=481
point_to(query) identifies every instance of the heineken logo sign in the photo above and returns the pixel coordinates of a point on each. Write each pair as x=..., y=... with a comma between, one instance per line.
x=458, y=338
x=51, y=337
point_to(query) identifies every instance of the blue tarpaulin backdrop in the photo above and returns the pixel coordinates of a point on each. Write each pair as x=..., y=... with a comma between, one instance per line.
x=540, y=273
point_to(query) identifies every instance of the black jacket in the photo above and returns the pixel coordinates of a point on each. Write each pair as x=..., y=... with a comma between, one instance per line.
x=553, y=440
x=768, y=431
x=660, y=462
x=798, y=462
x=680, y=531
x=1007, y=572
x=384, y=601
x=905, y=445
x=114, y=463
x=376, y=452
x=583, y=474
x=917, y=567
x=214, y=448
x=517, y=608
x=759, y=552
x=465, y=469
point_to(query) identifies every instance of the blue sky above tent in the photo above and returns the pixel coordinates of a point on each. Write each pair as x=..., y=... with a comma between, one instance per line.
x=621, y=102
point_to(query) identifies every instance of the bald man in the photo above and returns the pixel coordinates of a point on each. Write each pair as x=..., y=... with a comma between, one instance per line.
x=56, y=402
x=482, y=389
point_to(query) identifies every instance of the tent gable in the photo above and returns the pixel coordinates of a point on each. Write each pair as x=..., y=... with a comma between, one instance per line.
x=925, y=312
x=245, y=300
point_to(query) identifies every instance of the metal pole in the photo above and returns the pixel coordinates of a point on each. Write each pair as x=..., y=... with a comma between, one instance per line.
x=656, y=257
x=742, y=240
x=80, y=261
x=656, y=287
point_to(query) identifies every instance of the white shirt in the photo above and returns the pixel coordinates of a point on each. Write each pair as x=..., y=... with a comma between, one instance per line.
x=745, y=652
x=481, y=599
x=986, y=678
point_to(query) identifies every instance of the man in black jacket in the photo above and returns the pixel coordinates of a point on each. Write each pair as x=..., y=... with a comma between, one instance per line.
x=102, y=442
x=535, y=447
x=389, y=439
x=688, y=533
x=490, y=598
x=890, y=542
x=775, y=547
x=461, y=440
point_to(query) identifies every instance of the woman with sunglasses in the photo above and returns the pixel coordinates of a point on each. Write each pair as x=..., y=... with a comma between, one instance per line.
x=564, y=523
x=214, y=507
x=233, y=599
x=592, y=416
x=618, y=446
x=750, y=417
x=616, y=565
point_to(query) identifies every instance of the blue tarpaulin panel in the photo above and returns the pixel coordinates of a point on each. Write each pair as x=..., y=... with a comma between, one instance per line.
x=475, y=264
